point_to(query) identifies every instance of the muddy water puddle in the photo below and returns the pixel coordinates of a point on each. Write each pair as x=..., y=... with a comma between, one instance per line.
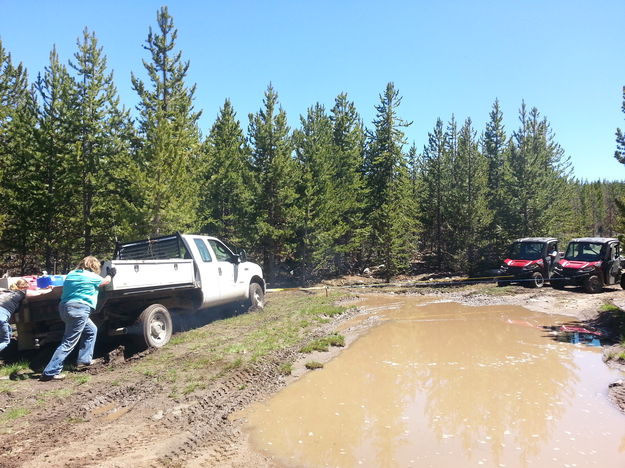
x=446, y=385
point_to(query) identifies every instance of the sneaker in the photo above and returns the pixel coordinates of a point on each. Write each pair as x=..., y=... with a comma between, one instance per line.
x=47, y=378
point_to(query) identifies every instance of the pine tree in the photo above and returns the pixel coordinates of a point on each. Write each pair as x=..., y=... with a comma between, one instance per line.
x=471, y=182
x=392, y=236
x=13, y=89
x=56, y=174
x=275, y=171
x=537, y=177
x=319, y=210
x=349, y=188
x=105, y=136
x=18, y=157
x=166, y=181
x=619, y=154
x=227, y=191
x=494, y=148
x=434, y=187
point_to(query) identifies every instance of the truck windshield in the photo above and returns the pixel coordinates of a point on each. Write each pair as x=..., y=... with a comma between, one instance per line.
x=526, y=250
x=583, y=251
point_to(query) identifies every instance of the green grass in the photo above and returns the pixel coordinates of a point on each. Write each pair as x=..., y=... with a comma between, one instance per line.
x=286, y=368
x=232, y=343
x=14, y=368
x=13, y=414
x=191, y=387
x=313, y=365
x=607, y=307
x=82, y=379
x=323, y=344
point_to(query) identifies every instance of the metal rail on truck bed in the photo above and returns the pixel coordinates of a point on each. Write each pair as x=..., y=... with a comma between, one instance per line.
x=158, y=248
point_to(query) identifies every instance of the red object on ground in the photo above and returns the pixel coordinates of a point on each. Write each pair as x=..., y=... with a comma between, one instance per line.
x=570, y=329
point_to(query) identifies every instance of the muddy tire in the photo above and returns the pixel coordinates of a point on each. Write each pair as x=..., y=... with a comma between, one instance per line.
x=623, y=281
x=593, y=284
x=155, y=326
x=537, y=280
x=555, y=284
x=256, y=299
x=501, y=284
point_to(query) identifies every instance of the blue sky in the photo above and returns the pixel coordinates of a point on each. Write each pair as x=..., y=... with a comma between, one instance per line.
x=446, y=57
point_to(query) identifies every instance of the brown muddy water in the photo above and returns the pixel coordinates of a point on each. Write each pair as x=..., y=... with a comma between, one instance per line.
x=446, y=385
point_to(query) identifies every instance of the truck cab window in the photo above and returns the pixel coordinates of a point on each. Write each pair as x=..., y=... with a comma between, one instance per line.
x=222, y=252
x=204, y=253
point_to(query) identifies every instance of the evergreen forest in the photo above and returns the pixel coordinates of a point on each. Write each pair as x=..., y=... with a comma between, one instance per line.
x=309, y=197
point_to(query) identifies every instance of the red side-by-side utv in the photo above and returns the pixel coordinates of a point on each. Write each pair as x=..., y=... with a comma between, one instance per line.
x=530, y=261
x=590, y=262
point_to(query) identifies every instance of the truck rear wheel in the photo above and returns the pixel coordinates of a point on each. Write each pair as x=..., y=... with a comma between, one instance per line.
x=155, y=325
x=257, y=296
x=593, y=284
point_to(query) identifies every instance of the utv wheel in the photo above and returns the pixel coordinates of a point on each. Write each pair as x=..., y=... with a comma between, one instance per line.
x=593, y=284
x=555, y=284
x=155, y=326
x=500, y=284
x=537, y=280
x=623, y=281
x=257, y=296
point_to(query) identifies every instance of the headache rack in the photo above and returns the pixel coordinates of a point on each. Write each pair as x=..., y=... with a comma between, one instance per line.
x=158, y=248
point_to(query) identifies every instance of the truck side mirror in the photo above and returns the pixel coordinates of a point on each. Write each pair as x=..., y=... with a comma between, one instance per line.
x=242, y=256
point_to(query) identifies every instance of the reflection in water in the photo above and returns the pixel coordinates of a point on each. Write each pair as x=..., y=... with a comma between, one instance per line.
x=445, y=385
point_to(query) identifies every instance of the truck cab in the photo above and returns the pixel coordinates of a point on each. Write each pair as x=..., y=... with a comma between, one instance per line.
x=530, y=261
x=590, y=262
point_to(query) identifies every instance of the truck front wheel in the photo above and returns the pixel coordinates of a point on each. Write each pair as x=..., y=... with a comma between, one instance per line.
x=593, y=284
x=537, y=280
x=155, y=325
x=257, y=296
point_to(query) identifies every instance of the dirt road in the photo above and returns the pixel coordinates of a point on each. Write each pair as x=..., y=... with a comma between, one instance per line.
x=173, y=407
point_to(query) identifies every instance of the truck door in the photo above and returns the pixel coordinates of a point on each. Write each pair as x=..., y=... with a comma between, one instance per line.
x=209, y=273
x=233, y=286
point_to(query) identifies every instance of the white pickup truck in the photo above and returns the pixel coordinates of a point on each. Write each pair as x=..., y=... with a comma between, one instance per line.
x=181, y=272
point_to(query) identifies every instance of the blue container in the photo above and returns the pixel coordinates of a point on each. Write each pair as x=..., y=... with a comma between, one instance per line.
x=44, y=282
x=57, y=280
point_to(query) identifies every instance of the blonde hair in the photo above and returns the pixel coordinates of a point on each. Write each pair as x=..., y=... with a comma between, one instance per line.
x=21, y=283
x=90, y=263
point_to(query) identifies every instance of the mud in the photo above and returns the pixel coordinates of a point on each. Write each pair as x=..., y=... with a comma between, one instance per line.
x=122, y=418
x=447, y=385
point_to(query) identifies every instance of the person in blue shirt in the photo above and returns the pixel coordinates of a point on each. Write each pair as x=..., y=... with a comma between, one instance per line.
x=78, y=300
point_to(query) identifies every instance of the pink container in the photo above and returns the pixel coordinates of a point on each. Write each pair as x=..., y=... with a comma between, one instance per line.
x=32, y=281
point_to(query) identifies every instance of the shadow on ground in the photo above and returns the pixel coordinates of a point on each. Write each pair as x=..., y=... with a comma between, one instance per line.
x=121, y=347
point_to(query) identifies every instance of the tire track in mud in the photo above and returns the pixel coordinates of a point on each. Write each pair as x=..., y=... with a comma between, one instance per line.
x=211, y=435
x=108, y=408
x=59, y=424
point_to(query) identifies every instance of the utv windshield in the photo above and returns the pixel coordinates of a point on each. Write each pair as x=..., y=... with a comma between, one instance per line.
x=526, y=250
x=583, y=251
